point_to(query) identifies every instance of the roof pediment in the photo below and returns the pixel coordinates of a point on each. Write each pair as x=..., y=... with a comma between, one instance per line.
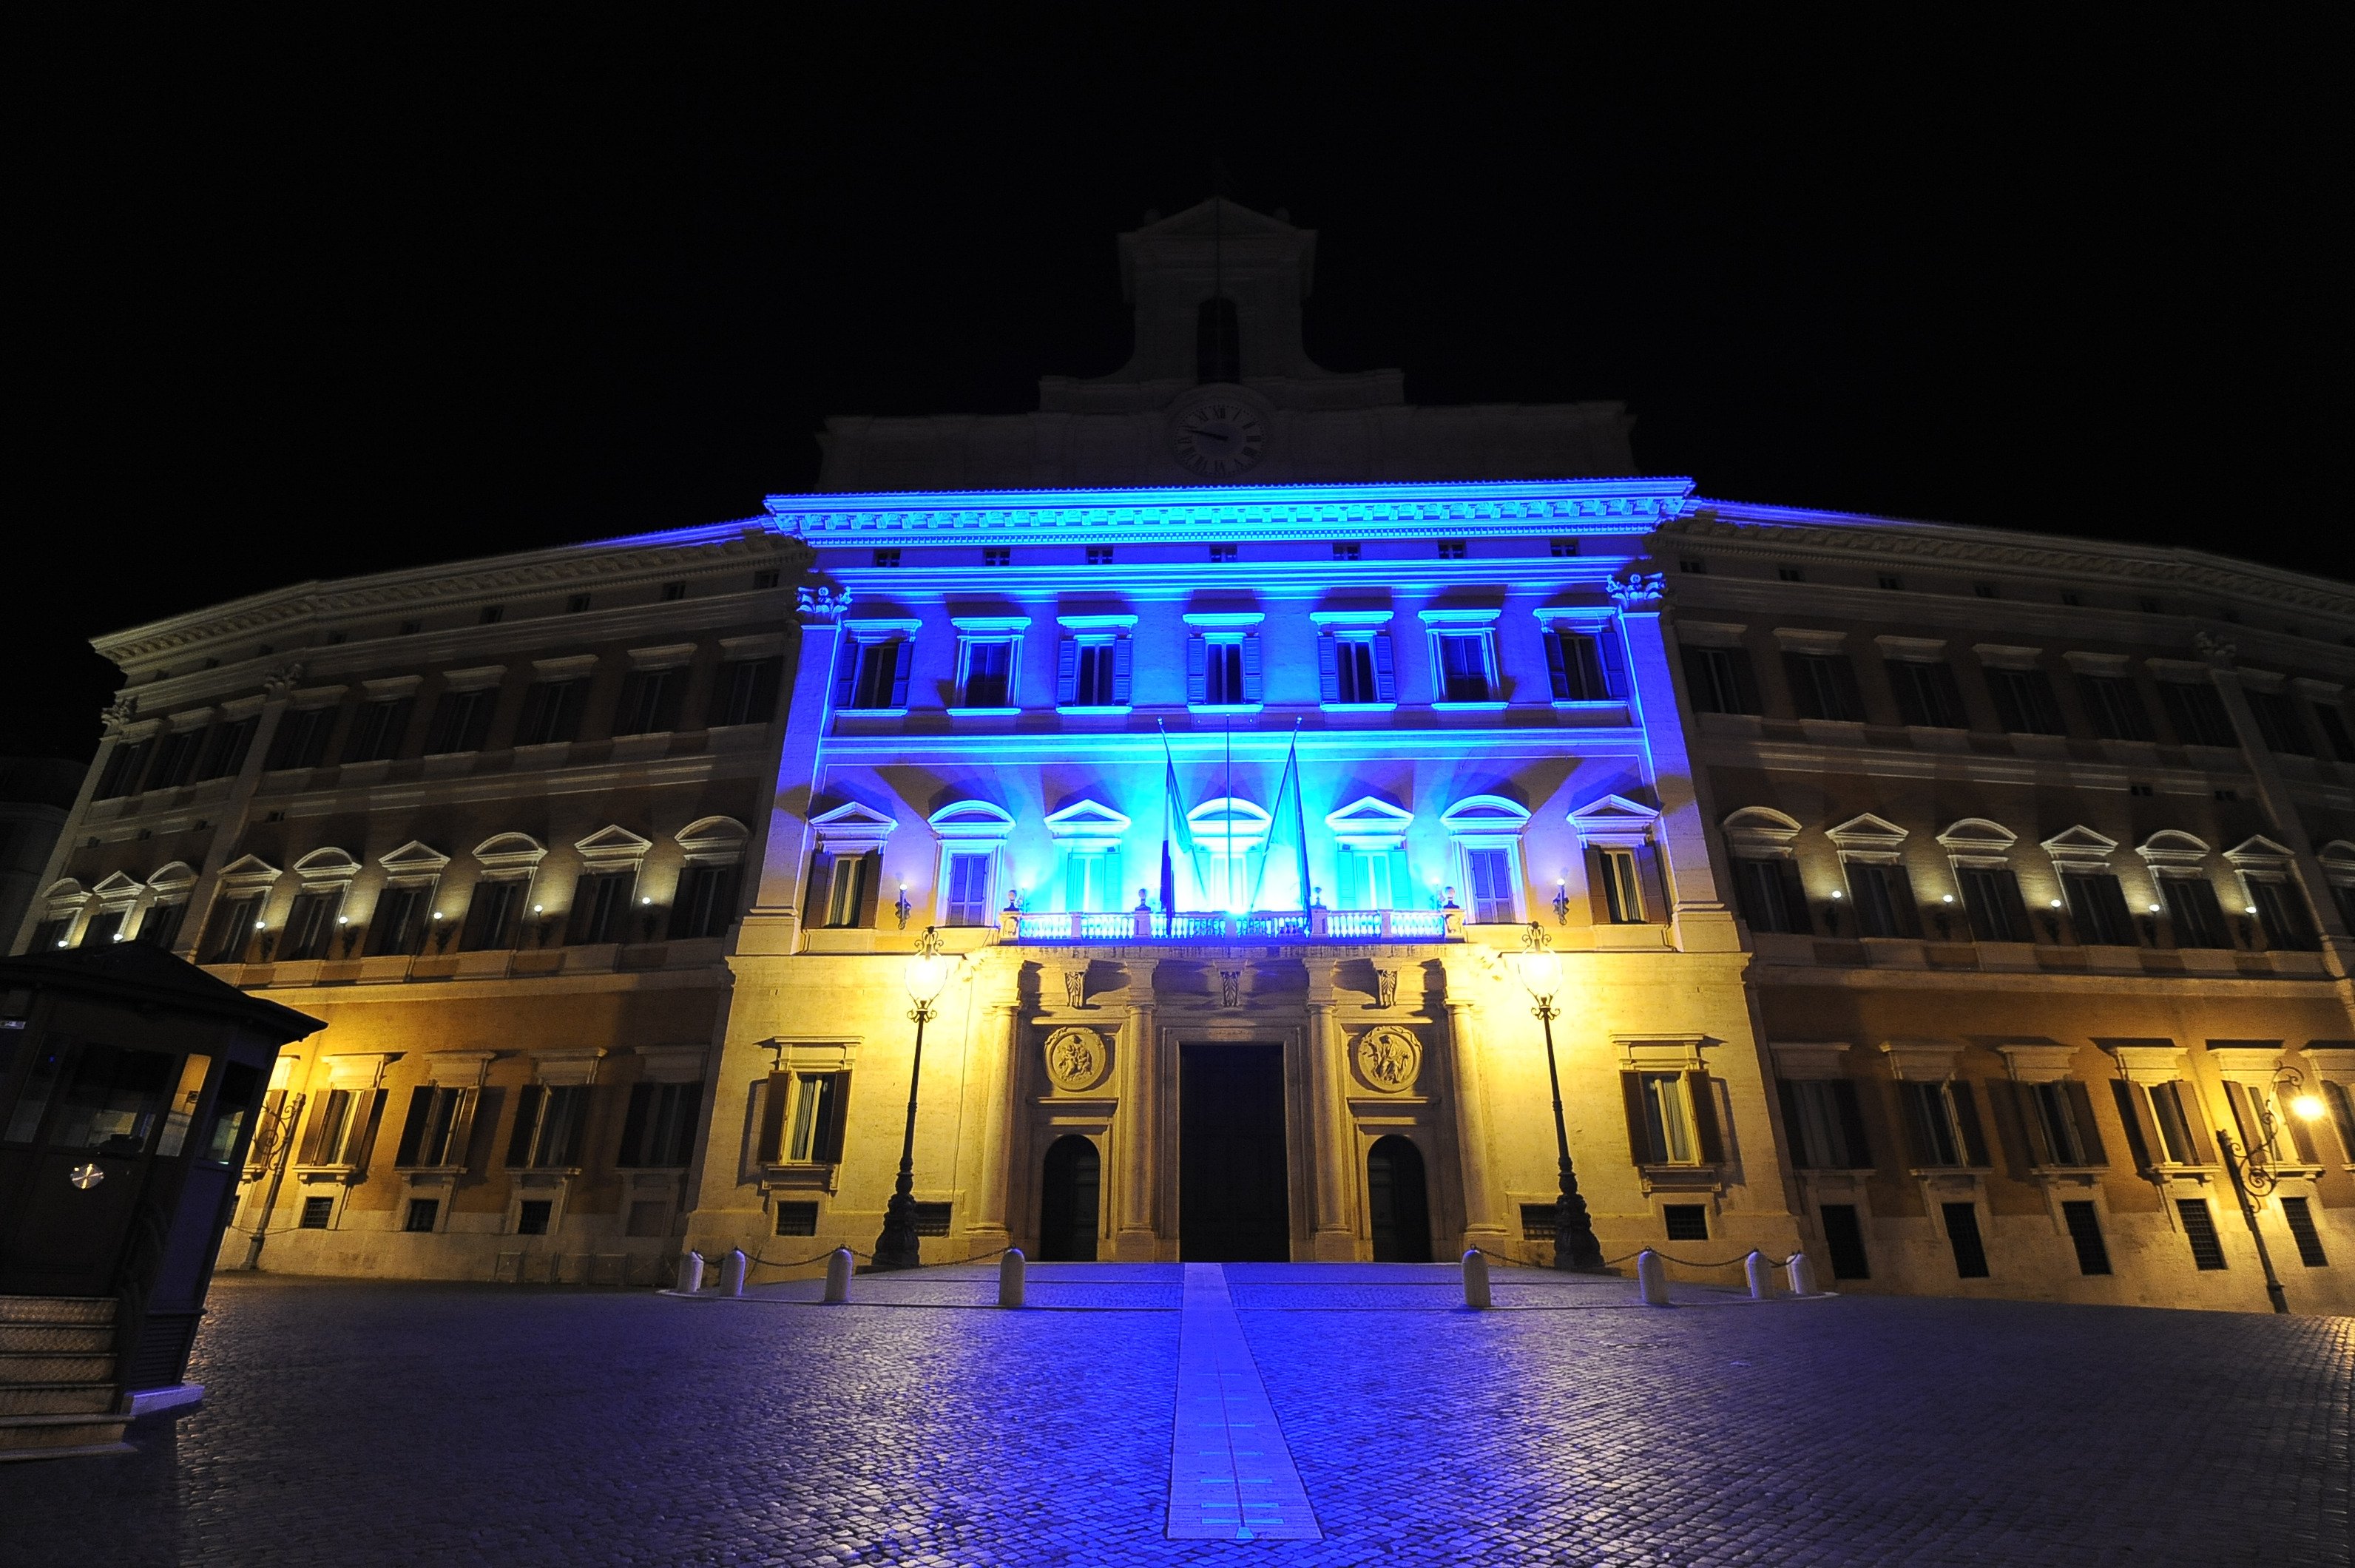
x=248, y=869
x=1614, y=816
x=2259, y=850
x=115, y=885
x=853, y=826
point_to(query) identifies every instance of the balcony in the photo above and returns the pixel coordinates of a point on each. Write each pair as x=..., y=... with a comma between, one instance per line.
x=1318, y=925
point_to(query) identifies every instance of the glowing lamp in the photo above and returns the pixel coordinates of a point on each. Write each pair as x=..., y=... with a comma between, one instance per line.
x=2249, y=909
x=259, y=925
x=343, y=920
x=2056, y=903
x=1838, y=895
x=1538, y=969
x=1947, y=898
x=644, y=900
x=2307, y=1107
x=927, y=972
x=2154, y=909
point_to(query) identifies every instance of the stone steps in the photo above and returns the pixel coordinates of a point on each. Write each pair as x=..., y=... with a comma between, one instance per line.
x=59, y=1339
x=58, y=1309
x=58, y=1393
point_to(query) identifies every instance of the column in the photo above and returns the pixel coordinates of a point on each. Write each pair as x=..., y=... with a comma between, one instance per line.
x=1482, y=1227
x=1334, y=1235
x=772, y=923
x=1696, y=881
x=236, y=811
x=1134, y=1239
x=998, y=1046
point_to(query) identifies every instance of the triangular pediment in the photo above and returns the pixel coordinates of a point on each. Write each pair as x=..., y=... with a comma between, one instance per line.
x=1369, y=823
x=852, y=827
x=115, y=885
x=2079, y=843
x=413, y=856
x=2255, y=850
x=612, y=842
x=248, y=869
x=1614, y=811
x=1866, y=831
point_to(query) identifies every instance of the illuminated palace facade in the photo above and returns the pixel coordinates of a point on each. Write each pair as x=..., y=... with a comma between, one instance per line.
x=1949, y=903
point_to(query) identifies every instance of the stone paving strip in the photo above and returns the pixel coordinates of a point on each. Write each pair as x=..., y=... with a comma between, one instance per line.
x=1230, y=1474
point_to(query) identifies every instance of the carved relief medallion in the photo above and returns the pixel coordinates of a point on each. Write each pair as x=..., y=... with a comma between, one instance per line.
x=1076, y=1058
x=1389, y=1058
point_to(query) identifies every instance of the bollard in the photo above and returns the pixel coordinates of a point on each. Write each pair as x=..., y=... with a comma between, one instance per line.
x=691, y=1274
x=1652, y=1277
x=1803, y=1276
x=1475, y=1280
x=1011, y=1270
x=1761, y=1284
x=732, y=1273
x=837, y=1276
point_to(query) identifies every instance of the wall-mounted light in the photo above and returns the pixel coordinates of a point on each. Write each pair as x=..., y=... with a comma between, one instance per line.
x=2250, y=909
x=644, y=900
x=1562, y=900
x=901, y=907
x=1838, y=895
x=2154, y=909
x=1946, y=898
x=343, y=920
x=2056, y=903
x=263, y=925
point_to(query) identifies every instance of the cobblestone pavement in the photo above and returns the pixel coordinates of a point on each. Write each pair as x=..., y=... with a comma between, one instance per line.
x=359, y=1424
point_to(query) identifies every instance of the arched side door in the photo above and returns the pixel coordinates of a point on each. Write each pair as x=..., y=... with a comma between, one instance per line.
x=1067, y=1201
x=1397, y=1202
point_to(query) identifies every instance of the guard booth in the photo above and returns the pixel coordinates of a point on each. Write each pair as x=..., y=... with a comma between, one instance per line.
x=129, y=1086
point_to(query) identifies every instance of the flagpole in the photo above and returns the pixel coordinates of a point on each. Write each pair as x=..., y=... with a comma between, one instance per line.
x=1300, y=814
x=1227, y=732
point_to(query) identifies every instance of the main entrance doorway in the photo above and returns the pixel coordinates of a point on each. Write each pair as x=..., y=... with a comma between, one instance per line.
x=1232, y=1202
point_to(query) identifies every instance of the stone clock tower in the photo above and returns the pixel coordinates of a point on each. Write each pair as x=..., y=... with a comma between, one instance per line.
x=1218, y=390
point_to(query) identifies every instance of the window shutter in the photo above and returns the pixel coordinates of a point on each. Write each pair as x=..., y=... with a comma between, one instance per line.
x=903, y=663
x=525, y=1118
x=482, y=1120
x=870, y=886
x=1654, y=872
x=315, y=1134
x=1347, y=871
x=777, y=1095
x=535, y=709
x=845, y=672
x=1251, y=667
x=761, y=701
x=2015, y=908
x=1067, y=672
x=1557, y=670
x=2244, y=1115
x=634, y=1126
x=413, y=1130
x=1704, y=1114
x=1804, y=1157
x=1966, y=1113
x=817, y=903
x=1123, y=662
x=1639, y=1135
x=2134, y=1117
x=2203, y=1145
x=1385, y=669
x=827, y=1149
x=1197, y=669
x=2081, y=1107
x=1806, y=700
x=1851, y=701
x=1598, y=898
x=2005, y=686
x=2018, y=1128
x=1920, y=1145
x=584, y=905
x=2301, y=1136
x=1795, y=898
x=1328, y=669
x=1901, y=900
x=1851, y=1116
x=368, y=1110
x=1745, y=679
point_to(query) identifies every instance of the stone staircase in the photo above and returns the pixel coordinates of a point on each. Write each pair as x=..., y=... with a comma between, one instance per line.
x=58, y=1392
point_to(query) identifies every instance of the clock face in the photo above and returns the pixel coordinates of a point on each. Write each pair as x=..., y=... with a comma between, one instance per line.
x=1219, y=438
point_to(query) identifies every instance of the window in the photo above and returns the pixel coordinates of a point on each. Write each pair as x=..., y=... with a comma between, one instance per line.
x=2174, y=1124
x=492, y=614
x=2146, y=604
x=493, y=915
x=2197, y=713
x=410, y=628
x=1222, y=669
x=1963, y=1234
x=226, y=746
x=317, y=1213
x=2064, y=1123
x=1218, y=342
x=1451, y=549
x=2333, y=725
x=1926, y=694
x=1991, y=901
x=1092, y=670
x=175, y=758
x=575, y=603
x=1891, y=582
x=1622, y=896
x=1349, y=550
x=549, y=1128
x=1561, y=550
x=462, y=720
x=381, y=727
x=672, y=592
x=744, y=691
x=1489, y=878
x=2085, y=1234
x=2299, y=1215
x=1823, y=685
x=1466, y=672
x=433, y=1135
x=102, y=926
x=2342, y=1101
x=1719, y=681
x=1585, y=665
x=985, y=680
x=1984, y=590
x=161, y=925
x=803, y=1116
x=2200, y=1230
x=874, y=676
x=343, y=1125
x=2023, y=702
x=551, y=712
x=50, y=934
x=649, y=703
x=2114, y=707
x=1371, y=879
x=423, y=1213
x=301, y=739
x=1883, y=897
x=310, y=925
x=705, y=903
x=2277, y=723
x=1356, y=667
x=1825, y=1124
x=2142, y=790
x=2074, y=600
x=2192, y=911
x=1844, y=1240
x=886, y=558
x=2282, y=913
x=1770, y=896
x=1671, y=1117
x=230, y=927
x=1088, y=878
x=1685, y=1222
x=1538, y=1221
x=600, y=907
x=1099, y=555
x=1942, y=1122
x=1693, y=566
x=1222, y=554
x=659, y=1133
x=400, y=919
x=797, y=1218
x=767, y=578
x=967, y=901
x=997, y=555
x=848, y=883
x=2099, y=908
x=1790, y=574
x=532, y=1215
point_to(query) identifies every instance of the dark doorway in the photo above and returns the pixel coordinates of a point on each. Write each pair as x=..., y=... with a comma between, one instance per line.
x=1396, y=1201
x=1067, y=1203
x=1232, y=1205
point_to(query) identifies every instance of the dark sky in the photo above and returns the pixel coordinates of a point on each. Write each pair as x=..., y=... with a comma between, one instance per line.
x=313, y=297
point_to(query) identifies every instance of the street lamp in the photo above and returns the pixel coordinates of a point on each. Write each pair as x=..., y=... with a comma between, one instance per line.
x=927, y=972
x=1539, y=968
x=2251, y=1172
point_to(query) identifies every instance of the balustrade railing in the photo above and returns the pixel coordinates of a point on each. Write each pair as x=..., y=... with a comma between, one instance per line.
x=1258, y=926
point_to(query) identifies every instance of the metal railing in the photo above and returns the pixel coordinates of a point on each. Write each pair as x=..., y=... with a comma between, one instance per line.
x=1258, y=926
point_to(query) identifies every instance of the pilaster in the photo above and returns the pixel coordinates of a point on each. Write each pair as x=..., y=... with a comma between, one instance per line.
x=772, y=923
x=1334, y=1235
x=1696, y=878
x=1482, y=1226
x=1138, y=1198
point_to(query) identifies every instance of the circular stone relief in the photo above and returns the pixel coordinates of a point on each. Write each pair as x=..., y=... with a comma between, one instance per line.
x=1389, y=1058
x=1075, y=1058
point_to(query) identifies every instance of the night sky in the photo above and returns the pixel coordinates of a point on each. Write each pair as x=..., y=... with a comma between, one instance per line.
x=319, y=297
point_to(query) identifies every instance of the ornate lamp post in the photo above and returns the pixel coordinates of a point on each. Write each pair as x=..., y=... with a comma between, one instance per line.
x=2252, y=1172
x=1539, y=968
x=927, y=973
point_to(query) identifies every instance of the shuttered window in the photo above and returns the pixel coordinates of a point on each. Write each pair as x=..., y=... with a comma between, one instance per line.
x=1222, y=670
x=1992, y=902
x=1823, y=685
x=874, y=676
x=600, y=907
x=381, y=727
x=2114, y=707
x=1926, y=694
x=1586, y=666
x=2193, y=915
x=2197, y=713
x=985, y=677
x=399, y=922
x=1963, y=1235
x=1770, y=896
x=551, y=712
x=461, y=721
x=1488, y=874
x=2085, y=1234
x=1095, y=672
x=803, y=1116
x=2024, y=704
x=658, y=1132
x=1824, y=1120
x=968, y=893
x=649, y=701
x=705, y=904
x=2098, y=907
x=230, y=929
x=1719, y=680
x=433, y=1133
x=493, y=916
x=1671, y=1117
x=1355, y=668
x=550, y=1127
x=1883, y=897
x=1942, y=1125
x=1843, y=1239
x=2281, y=910
x=847, y=885
x=744, y=691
